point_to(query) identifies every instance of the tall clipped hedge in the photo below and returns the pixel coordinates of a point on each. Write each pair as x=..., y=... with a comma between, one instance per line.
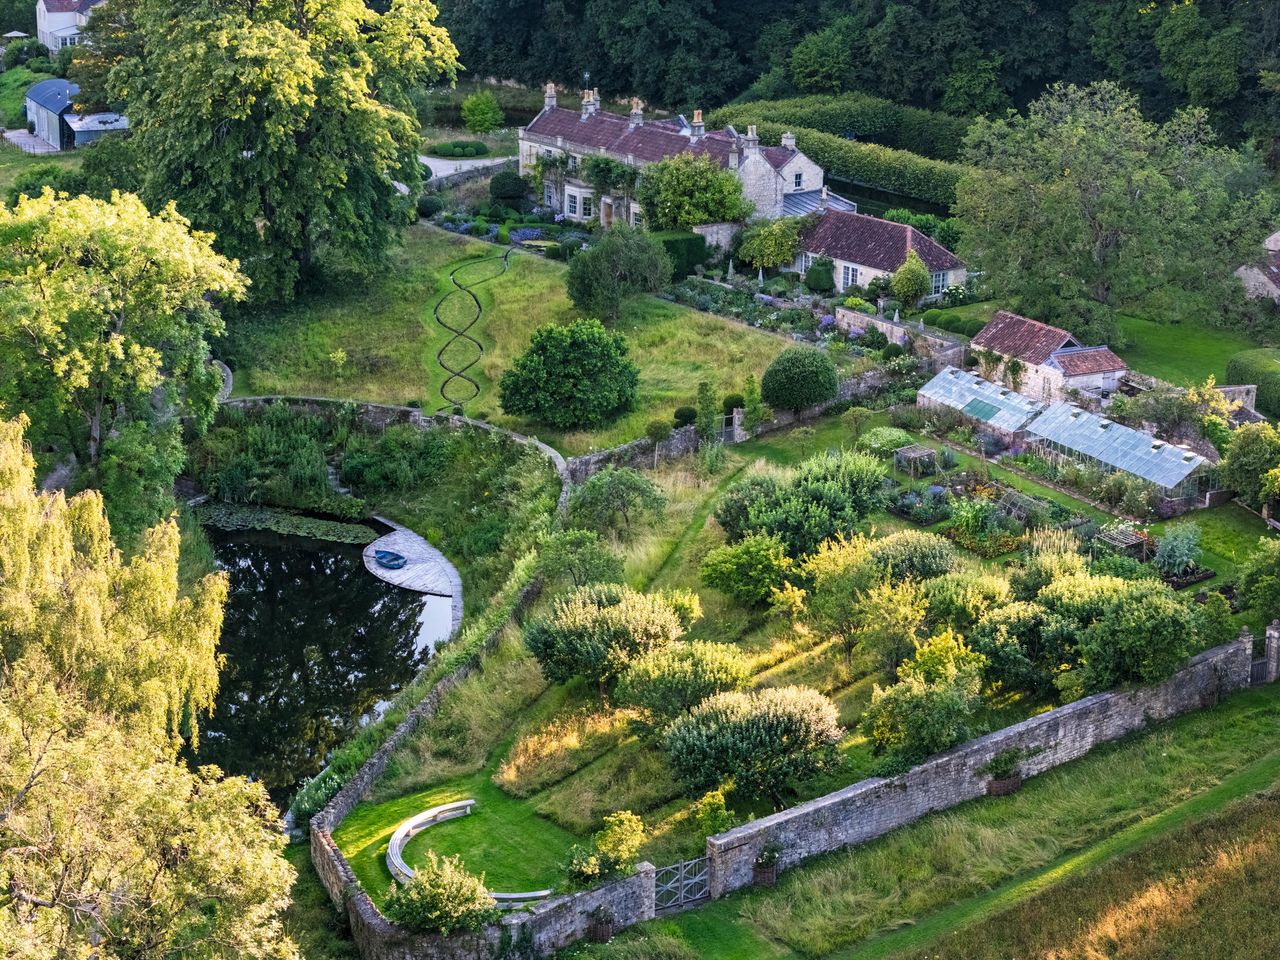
x=872, y=165
x=1263, y=368
x=685, y=248
x=862, y=116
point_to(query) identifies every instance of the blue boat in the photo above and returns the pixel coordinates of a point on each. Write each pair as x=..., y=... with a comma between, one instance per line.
x=389, y=559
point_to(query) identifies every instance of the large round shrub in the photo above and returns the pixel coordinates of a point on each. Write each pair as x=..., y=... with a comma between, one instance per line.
x=442, y=898
x=799, y=377
x=571, y=377
x=508, y=188
x=597, y=630
x=763, y=741
x=882, y=441
x=914, y=553
x=749, y=570
x=673, y=680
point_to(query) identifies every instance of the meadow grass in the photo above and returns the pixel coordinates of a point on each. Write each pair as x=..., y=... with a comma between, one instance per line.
x=390, y=339
x=14, y=84
x=840, y=900
x=13, y=161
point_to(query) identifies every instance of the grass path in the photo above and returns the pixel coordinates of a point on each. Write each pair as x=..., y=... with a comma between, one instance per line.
x=1253, y=778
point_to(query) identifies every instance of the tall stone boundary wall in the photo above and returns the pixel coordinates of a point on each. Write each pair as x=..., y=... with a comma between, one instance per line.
x=379, y=416
x=874, y=807
x=937, y=348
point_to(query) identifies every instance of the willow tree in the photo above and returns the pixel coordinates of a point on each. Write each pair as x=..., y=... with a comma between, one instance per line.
x=109, y=844
x=283, y=127
x=104, y=309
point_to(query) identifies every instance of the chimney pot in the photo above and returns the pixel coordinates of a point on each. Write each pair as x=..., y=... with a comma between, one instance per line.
x=698, y=130
x=789, y=140
x=637, y=112
x=549, y=97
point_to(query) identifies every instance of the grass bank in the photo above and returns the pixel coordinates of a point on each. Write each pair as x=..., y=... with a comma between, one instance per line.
x=843, y=900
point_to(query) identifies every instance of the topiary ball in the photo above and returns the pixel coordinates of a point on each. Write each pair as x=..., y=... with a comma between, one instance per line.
x=799, y=377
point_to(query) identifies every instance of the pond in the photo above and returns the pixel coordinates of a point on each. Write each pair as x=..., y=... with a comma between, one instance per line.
x=313, y=644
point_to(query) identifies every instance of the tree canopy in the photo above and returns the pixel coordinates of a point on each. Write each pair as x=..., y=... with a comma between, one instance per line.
x=111, y=844
x=689, y=189
x=625, y=262
x=1083, y=207
x=281, y=127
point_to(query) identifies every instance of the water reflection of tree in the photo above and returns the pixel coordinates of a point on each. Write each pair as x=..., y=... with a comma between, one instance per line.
x=312, y=642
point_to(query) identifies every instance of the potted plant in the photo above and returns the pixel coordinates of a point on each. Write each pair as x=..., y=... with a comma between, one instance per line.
x=1005, y=771
x=602, y=925
x=764, y=872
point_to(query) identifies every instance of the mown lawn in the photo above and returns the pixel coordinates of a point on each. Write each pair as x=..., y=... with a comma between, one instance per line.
x=837, y=905
x=1183, y=353
x=390, y=339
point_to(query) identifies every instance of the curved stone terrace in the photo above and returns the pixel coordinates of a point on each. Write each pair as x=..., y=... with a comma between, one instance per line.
x=426, y=570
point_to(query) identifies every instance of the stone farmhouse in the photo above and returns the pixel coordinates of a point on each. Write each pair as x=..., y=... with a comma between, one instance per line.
x=1051, y=365
x=780, y=181
x=58, y=22
x=863, y=248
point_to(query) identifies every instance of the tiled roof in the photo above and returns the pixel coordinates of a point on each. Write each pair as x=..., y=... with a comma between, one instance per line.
x=1082, y=361
x=872, y=242
x=802, y=202
x=648, y=142
x=1116, y=445
x=1029, y=340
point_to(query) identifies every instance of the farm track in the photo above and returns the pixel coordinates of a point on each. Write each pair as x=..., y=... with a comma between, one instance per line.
x=459, y=387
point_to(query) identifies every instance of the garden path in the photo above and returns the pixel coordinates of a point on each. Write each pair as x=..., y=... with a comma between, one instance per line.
x=442, y=168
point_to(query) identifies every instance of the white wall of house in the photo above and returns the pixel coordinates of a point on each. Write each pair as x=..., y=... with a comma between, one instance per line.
x=849, y=274
x=801, y=173
x=57, y=30
x=47, y=123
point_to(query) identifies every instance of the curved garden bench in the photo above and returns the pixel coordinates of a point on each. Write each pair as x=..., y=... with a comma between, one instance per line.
x=403, y=873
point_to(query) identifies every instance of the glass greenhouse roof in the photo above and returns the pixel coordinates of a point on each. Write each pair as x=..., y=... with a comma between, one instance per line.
x=981, y=399
x=1116, y=445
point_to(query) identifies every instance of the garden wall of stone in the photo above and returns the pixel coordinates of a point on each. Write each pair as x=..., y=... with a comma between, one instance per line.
x=874, y=807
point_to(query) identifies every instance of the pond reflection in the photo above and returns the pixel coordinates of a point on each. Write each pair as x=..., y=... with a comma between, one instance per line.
x=313, y=643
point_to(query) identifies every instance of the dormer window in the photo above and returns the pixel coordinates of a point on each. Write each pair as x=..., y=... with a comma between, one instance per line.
x=798, y=180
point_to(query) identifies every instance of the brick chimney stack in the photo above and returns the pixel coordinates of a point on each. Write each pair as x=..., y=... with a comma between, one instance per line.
x=549, y=97
x=699, y=128
x=637, y=112
x=789, y=141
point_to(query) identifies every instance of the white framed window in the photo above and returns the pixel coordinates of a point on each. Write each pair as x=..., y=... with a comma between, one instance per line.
x=806, y=261
x=799, y=181
x=939, y=284
x=848, y=275
x=573, y=162
x=571, y=204
x=586, y=208
x=637, y=219
x=70, y=41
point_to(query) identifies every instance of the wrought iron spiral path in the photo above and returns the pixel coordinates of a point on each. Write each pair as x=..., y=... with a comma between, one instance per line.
x=459, y=382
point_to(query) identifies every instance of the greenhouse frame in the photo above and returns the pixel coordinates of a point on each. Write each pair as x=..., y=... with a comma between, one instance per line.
x=989, y=406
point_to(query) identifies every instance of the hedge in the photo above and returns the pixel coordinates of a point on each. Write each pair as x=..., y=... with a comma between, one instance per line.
x=861, y=116
x=685, y=248
x=1261, y=367
x=872, y=165
x=459, y=148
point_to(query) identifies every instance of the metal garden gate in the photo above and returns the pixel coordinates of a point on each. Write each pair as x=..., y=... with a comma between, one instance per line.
x=681, y=884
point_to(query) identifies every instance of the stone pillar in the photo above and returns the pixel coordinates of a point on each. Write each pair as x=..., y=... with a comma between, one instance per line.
x=647, y=872
x=740, y=433
x=1273, y=652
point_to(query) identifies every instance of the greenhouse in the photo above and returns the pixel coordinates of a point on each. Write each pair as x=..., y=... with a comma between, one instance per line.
x=994, y=408
x=1066, y=434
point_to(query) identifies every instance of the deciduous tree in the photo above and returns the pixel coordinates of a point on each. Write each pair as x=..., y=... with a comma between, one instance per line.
x=686, y=190
x=624, y=263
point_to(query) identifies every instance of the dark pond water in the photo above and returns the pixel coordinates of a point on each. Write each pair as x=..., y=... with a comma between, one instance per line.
x=314, y=644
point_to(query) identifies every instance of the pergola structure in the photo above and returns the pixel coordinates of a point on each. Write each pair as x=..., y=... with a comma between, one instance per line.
x=1126, y=540
x=916, y=460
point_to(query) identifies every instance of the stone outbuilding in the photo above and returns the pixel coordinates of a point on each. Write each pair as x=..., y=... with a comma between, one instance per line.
x=1051, y=365
x=1262, y=279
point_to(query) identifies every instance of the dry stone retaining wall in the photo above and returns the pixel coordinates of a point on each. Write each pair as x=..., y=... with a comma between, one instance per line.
x=873, y=807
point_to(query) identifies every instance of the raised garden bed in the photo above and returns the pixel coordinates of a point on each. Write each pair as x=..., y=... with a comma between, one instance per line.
x=1191, y=579
x=987, y=547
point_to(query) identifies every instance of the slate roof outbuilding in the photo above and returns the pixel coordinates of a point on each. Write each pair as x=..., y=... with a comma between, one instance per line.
x=1083, y=361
